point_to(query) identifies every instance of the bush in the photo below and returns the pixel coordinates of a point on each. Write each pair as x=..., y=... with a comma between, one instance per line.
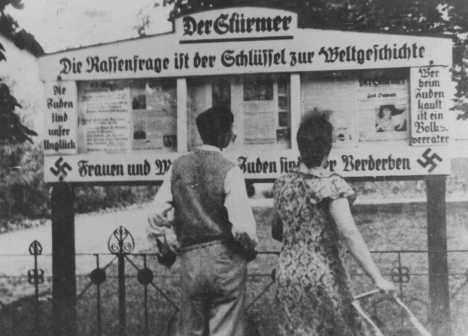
x=24, y=195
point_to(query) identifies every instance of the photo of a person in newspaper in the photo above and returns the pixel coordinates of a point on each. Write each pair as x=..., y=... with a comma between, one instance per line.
x=390, y=119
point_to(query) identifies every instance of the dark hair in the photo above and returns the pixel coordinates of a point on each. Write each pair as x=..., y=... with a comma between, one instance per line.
x=314, y=139
x=214, y=123
x=392, y=108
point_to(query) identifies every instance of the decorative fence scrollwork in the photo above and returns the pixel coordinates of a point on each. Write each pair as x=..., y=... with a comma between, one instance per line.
x=122, y=264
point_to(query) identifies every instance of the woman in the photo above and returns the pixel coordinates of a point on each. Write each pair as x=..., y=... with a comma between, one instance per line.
x=389, y=118
x=313, y=294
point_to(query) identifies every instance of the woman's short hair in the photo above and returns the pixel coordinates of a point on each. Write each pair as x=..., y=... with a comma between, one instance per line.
x=314, y=139
x=213, y=123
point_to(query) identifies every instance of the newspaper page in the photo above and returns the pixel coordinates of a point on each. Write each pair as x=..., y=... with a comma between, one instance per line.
x=104, y=121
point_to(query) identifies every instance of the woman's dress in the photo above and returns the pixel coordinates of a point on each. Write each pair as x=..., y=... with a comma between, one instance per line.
x=313, y=292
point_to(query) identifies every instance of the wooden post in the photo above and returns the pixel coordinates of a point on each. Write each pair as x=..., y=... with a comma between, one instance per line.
x=182, y=130
x=63, y=260
x=296, y=111
x=439, y=312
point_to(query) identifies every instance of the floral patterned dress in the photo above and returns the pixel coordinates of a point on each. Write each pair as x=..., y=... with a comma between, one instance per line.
x=313, y=294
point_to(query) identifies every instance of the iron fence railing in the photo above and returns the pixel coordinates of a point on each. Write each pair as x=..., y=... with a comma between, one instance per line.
x=128, y=293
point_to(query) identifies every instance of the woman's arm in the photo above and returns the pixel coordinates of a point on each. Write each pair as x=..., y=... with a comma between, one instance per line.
x=277, y=228
x=344, y=220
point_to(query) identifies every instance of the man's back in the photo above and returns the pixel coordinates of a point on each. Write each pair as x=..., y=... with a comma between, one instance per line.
x=198, y=181
x=211, y=208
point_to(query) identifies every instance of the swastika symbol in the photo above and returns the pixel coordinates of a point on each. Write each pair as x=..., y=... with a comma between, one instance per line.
x=429, y=160
x=60, y=168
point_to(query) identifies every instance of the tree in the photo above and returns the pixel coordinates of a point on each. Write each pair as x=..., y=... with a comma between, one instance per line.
x=12, y=130
x=447, y=17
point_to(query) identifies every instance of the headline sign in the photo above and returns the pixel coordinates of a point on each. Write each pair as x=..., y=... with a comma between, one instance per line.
x=149, y=166
x=60, y=118
x=236, y=24
x=243, y=40
x=431, y=114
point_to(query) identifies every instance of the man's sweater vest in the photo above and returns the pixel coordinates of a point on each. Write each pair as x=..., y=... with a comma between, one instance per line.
x=198, y=192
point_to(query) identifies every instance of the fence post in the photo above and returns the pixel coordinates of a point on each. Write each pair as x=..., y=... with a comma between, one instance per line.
x=63, y=260
x=439, y=312
x=35, y=278
x=122, y=294
x=121, y=243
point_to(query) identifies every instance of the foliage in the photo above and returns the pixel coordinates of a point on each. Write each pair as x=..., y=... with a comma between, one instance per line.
x=94, y=198
x=22, y=189
x=12, y=130
x=143, y=23
x=23, y=193
x=9, y=27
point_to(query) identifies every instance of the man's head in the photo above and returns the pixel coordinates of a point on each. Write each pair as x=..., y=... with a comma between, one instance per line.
x=215, y=126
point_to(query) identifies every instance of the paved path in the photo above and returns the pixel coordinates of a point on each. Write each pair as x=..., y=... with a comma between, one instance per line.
x=91, y=234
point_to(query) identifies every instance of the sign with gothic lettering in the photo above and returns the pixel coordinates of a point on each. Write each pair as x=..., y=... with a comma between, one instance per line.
x=60, y=118
x=239, y=41
x=431, y=122
x=148, y=166
x=237, y=24
x=123, y=111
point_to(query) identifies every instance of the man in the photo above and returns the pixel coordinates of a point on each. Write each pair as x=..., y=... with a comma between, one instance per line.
x=215, y=228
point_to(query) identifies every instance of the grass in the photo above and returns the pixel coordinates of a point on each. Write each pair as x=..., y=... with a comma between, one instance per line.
x=384, y=227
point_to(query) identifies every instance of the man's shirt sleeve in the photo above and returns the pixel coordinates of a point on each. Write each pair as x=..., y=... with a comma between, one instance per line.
x=163, y=198
x=237, y=204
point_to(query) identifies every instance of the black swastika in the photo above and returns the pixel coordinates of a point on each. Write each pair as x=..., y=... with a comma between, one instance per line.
x=429, y=160
x=60, y=168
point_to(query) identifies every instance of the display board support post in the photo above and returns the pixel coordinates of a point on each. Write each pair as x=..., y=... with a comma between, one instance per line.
x=295, y=99
x=63, y=260
x=439, y=311
x=182, y=130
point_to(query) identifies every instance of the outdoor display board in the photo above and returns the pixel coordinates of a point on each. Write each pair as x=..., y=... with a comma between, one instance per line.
x=124, y=111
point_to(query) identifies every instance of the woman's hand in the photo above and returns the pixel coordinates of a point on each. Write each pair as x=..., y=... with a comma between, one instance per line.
x=385, y=286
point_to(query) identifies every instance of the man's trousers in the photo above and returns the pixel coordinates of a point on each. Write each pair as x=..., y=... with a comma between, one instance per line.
x=213, y=279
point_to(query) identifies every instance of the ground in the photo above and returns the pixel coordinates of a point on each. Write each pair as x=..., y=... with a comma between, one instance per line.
x=385, y=227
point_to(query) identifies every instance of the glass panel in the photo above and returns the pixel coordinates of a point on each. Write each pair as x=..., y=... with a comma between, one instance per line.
x=260, y=104
x=266, y=112
x=258, y=87
x=362, y=106
x=199, y=99
x=384, y=105
x=221, y=88
x=126, y=115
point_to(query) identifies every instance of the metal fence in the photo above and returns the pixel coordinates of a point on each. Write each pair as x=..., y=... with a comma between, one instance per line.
x=128, y=293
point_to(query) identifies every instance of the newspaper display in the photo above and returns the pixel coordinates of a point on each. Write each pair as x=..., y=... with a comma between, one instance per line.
x=154, y=121
x=260, y=107
x=367, y=84
x=104, y=122
x=121, y=116
x=259, y=110
x=383, y=108
x=199, y=99
x=335, y=98
x=259, y=123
